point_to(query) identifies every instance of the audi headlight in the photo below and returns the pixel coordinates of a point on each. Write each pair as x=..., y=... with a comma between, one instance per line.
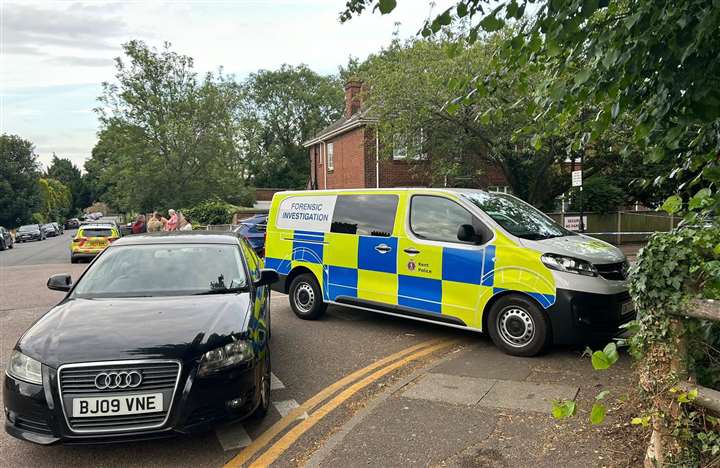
x=229, y=355
x=569, y=264
x=25, y=368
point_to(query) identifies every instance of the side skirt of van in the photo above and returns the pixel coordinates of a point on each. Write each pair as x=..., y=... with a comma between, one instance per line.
x=402, y=312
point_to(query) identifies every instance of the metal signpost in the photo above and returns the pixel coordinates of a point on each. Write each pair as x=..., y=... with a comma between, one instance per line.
x=577, y=182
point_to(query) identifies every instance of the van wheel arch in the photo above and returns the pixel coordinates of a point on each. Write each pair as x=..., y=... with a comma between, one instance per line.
x=497, y=297
x=299, y=270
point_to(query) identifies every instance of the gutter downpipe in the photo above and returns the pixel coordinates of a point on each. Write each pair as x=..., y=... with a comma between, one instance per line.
x=324, y=146
x=377, y=157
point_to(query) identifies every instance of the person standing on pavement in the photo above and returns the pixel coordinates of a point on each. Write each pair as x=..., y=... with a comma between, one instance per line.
x=156, y=223
x=172, y=223
x=139, y=225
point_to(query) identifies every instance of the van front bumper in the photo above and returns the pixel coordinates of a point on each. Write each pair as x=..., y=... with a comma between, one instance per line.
x=586, y=318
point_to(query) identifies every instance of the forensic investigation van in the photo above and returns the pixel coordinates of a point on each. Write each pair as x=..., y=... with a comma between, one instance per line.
x=457, y=257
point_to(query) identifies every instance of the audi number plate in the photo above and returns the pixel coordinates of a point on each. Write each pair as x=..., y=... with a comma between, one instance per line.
x=117, y=405
x=627, y=307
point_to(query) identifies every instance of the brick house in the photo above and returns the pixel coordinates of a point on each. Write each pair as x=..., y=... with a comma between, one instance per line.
x=345, y=154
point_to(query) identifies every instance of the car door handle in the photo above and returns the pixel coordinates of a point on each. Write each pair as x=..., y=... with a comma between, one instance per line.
x=383, y=248
x=411, y=251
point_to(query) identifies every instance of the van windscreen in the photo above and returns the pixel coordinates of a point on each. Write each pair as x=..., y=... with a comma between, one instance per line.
x=516, y=216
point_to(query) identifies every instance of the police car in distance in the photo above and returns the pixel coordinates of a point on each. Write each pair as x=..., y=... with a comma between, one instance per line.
x=458, y=257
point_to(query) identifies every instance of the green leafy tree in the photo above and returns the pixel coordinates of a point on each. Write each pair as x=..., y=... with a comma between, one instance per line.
x=65, y=171
x=19, y=170
x=55, y=199
x=412, y=91
x=655, y=61
x=279, y=110
x=167, y=137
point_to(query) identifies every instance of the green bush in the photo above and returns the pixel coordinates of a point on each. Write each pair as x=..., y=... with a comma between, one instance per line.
x=210, y=212
x=38, y=218
x=599, y=195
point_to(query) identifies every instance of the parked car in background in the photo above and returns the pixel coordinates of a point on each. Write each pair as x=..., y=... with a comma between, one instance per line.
x=50, y=230
x=91, y=239
x=59, y=228
x=6, y=239
x=30, y=232
x=253, y=229
x=72, y=223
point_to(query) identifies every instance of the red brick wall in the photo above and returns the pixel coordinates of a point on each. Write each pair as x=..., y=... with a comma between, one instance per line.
x=348, y=161
x=354, y=166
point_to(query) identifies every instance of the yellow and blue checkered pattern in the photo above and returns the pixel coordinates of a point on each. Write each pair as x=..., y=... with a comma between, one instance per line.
x=454, y=281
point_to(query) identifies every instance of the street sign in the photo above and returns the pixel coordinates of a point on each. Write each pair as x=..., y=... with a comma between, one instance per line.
x=577, y=178
x=573, y=222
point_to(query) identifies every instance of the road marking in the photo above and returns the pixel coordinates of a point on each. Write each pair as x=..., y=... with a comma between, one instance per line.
x=248, y=452
x=279, y=447
x=233, y=436
x=275, y=383
x=286, y=406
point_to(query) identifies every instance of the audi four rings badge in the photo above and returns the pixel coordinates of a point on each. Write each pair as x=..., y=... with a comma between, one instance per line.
x=113, y=380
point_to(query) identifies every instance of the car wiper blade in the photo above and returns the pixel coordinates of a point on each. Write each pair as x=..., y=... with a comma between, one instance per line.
x=222, y=291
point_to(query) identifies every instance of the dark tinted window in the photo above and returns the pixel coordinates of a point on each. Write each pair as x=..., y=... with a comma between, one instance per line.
x=97, y=232
x=437, y=218
x=368, y=215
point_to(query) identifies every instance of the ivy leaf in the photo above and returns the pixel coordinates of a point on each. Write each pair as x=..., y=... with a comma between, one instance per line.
x=698, y=200
x=602, y=395
x=462, y=10
x=562, y=409
x=386, y=6
x=602, y=360
x=597, y=414
x=536, y=142
x=672, y=205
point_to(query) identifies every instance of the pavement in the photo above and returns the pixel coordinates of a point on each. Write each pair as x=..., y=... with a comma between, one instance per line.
x=353, y=389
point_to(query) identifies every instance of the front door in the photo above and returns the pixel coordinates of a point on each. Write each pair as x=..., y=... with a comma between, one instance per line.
x=437, y=273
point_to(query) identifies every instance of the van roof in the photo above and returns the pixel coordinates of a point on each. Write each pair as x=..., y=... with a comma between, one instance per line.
x=389, y=189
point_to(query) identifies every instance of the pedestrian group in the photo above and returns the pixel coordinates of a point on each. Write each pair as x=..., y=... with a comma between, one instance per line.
x=157, y=222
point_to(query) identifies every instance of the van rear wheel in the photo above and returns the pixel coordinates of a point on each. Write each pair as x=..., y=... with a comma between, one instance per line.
x=306, y=297
x=518, y=326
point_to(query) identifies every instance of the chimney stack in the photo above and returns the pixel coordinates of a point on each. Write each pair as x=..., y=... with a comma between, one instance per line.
x=353, y=98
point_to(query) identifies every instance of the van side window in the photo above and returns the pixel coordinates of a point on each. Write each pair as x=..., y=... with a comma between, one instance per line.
x=367, y=215
x=437, y=218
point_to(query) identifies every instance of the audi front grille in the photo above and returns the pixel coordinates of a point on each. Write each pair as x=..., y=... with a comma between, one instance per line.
x=105, y=379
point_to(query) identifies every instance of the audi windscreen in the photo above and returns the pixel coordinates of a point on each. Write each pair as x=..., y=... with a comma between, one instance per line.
x=163, y=334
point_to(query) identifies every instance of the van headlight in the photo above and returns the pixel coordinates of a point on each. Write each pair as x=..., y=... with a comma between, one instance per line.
x=25, y=368
x=226, y=356
x=569, y=264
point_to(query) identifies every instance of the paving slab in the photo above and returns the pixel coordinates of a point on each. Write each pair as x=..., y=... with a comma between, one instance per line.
x=526, y=396
x=486, y=361
x=446, y=388
x=408, y=432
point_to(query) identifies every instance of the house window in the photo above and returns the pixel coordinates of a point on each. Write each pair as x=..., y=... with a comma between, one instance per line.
x=401, y=147
x=500, y=188
x=330, y=150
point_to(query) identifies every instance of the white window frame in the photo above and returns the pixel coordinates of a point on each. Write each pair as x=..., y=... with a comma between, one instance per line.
x=330, y=153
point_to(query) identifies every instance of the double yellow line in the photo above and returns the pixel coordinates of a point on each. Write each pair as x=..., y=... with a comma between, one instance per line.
x=357, y=381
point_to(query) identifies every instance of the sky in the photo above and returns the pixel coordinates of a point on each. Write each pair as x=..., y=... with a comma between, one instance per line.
x=54, y=55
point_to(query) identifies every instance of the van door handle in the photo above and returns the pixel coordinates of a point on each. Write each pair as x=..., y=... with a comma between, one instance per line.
x=383, y=248
x=411, y=251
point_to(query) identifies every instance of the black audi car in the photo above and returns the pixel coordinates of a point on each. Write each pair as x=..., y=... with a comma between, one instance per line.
x=163, y=334
x=30, y=232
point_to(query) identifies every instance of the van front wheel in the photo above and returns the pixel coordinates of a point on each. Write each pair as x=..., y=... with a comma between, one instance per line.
x=518, y=327
x=306, y=297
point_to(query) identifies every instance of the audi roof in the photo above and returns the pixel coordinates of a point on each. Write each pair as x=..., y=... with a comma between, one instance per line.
x=179, y=237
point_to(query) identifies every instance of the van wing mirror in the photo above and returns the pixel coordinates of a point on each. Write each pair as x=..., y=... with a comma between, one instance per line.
x=466, y=233
x=61, y=282
x=267, y=276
